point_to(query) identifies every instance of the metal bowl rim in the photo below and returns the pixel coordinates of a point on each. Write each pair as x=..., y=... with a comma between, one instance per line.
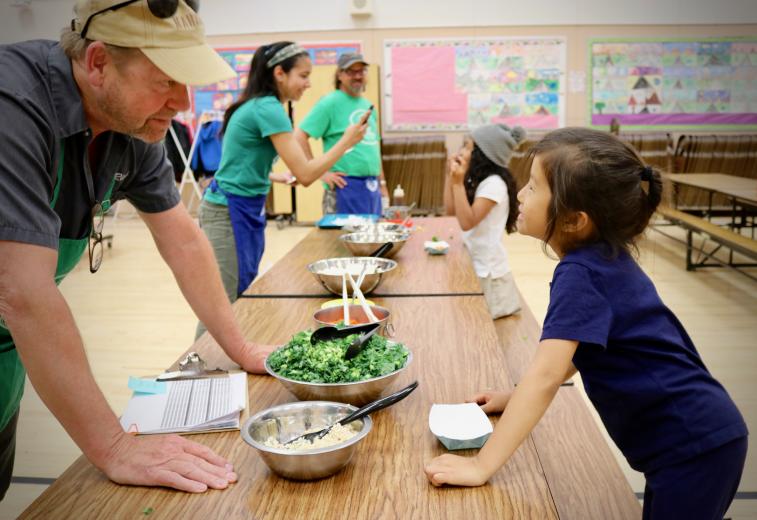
x=334, y=385
x=245, y=431
x=389, y=263
x=357, y=305
x=388, y=236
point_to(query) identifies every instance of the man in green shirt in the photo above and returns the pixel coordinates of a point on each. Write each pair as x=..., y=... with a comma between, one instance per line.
x=356, y=182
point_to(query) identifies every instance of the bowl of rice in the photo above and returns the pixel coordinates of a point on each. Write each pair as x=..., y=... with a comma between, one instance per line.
x=320, y=372
x=268, y=431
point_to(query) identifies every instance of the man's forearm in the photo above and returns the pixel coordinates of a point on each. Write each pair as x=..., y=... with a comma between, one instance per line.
x=463, y=210
x=51, y=349
x=195, y=268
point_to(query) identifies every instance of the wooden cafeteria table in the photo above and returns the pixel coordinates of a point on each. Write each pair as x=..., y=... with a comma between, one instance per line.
x=416, y=272
x=385, y=478
x=563, y=470
x=742, y=189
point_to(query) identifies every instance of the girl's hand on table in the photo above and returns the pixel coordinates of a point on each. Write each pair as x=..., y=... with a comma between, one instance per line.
x=254, y=358
x=456, y=471
x=491, y=401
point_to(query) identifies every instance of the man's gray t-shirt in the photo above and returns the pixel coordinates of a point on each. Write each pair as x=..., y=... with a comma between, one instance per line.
x=43, y=121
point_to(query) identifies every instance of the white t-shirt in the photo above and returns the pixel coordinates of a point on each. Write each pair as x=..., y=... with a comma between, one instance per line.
x=485, y=240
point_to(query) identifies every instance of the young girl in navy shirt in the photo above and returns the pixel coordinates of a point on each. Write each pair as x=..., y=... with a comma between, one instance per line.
x=588, y=198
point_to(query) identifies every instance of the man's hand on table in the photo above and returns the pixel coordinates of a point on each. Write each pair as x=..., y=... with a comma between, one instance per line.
x=167, y=460
x=456, y=471
x=254, y=356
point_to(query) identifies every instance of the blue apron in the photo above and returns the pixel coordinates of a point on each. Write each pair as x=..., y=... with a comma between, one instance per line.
x=248, y=223
x=361, y=195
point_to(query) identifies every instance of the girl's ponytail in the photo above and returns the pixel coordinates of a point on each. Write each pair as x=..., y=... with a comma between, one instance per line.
x=654, y=191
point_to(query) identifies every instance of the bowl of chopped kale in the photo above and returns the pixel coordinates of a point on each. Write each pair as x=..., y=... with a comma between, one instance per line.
x=319, y=371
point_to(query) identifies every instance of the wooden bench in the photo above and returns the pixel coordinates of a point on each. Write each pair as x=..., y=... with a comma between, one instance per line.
x=722, y=236
x=566, y=430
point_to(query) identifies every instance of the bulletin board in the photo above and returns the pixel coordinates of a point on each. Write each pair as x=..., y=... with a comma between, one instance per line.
x=220, y=95
x=456, y=84
x=674, y=83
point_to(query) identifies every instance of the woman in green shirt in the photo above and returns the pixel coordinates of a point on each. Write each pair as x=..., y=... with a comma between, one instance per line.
x=256, y=130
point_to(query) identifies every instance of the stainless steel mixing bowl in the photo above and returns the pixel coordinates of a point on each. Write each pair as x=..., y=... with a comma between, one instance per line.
x=328, y=272
x=364, y=244
x=287, y=421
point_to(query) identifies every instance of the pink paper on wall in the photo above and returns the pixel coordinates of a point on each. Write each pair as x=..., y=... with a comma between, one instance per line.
x=423, y=80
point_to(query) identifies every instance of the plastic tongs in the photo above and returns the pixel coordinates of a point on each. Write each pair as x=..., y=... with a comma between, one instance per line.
x=329, y=332
x=191, y=367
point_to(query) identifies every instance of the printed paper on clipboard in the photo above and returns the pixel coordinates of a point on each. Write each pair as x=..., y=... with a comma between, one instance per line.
x=189, y=406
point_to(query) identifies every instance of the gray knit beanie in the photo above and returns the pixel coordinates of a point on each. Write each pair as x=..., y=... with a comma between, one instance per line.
x=498, y=141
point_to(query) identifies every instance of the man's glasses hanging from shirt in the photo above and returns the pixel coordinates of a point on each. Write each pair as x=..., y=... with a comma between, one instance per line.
x=159, y=9
x=96, y=238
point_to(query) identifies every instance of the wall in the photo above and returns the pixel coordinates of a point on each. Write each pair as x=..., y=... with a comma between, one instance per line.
x=44, y=18
x=328, y=20
x=577, y=36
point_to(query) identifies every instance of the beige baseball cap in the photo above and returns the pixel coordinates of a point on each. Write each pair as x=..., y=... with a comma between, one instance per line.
x=176, y=45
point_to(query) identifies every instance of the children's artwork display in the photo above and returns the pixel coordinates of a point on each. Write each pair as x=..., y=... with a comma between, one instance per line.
x=221, y=95
x=458, y=84
x=674, y=83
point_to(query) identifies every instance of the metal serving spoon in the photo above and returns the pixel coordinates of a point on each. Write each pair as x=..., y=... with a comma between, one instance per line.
x=360, y=413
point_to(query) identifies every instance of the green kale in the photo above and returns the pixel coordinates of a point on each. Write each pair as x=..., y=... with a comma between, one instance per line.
x=324, y=362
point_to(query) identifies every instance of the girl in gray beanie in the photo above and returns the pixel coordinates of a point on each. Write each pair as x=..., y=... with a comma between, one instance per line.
x=480, y=191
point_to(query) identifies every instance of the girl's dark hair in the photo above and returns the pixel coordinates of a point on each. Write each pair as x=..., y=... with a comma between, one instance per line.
x=260, y=80
x=597, y=173
x=479, y=168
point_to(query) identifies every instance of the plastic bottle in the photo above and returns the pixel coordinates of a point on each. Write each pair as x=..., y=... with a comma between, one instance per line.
x=398, y=196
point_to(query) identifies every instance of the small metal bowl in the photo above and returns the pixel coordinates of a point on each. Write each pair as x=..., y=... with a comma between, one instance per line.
x=357, y=393
x=328, y=272
x=287, y=421
x=333, y=315
x=377, y=227
x=363, y=244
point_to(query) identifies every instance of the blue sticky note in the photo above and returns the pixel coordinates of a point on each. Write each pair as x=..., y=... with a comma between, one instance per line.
x=147, y=386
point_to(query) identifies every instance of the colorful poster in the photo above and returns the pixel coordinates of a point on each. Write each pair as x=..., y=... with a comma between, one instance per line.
x=433, y=85
x=674, y=83
x=221, y=95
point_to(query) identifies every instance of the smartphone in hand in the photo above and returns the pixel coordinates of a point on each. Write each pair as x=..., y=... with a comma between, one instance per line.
x=364, y=119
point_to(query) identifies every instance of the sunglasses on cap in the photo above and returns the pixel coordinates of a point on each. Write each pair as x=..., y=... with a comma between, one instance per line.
x=159, y=9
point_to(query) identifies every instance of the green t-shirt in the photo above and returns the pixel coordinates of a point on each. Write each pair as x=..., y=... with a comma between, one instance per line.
x=248, y=152
x=329, y=119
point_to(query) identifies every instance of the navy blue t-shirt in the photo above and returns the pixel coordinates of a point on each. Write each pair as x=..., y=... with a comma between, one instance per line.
x=639, y=367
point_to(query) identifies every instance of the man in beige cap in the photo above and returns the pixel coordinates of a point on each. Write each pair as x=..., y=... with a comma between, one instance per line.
x=83, y=120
